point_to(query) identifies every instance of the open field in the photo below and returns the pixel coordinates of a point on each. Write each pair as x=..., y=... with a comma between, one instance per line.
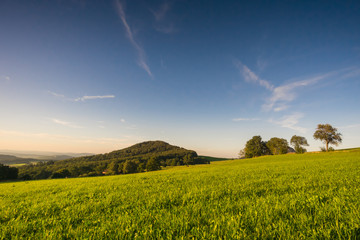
x=310, y=196
x=18, y=165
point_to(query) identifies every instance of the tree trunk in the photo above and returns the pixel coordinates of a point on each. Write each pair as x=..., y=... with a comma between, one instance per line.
x=327, y=146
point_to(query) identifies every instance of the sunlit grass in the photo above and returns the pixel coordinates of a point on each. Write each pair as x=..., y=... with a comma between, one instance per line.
x=310, y=196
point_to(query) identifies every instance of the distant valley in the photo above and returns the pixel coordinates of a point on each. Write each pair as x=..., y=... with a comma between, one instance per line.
x=8, y=157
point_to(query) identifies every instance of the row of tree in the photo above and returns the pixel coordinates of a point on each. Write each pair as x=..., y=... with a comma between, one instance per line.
x=256, y=147
x=8, y=173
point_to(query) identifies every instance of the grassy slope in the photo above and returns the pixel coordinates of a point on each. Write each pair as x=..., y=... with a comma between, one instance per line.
x=308, y=196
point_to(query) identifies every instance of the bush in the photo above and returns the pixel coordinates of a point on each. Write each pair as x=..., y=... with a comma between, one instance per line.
x=300, y=150
x=323, y=149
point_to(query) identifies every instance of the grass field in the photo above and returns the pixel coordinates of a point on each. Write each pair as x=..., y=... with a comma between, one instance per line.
x=310, y=196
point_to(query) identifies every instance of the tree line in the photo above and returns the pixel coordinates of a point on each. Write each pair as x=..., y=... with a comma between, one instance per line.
x=8, y=173
x=256, y=147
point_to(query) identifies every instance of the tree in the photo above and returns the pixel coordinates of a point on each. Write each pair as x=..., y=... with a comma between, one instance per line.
x=152, y=164
x=278, y=145
x=129, y=167
x=327, y=134
x=7, y=172
x=255, y=147
x=188, y=159
x=241, y=153
x=113, y=168
x=62, y=173
x=298, y=142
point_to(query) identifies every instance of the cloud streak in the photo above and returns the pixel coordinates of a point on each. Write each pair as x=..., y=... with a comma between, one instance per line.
x=64, y=123
x=57, y=95
x=286, y=93
x=245, y=119
x=80, y=99
x=291, y=122
x=141, y=53
x=84, y=98
x=162, y=25
x=161, y=12
x=167, y=29
x=250, y=76
x=283, y=94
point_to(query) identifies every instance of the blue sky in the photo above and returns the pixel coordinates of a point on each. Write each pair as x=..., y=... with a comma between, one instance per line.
x=96, y=76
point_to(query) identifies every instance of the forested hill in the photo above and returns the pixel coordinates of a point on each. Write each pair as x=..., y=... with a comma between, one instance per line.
x=145, y=156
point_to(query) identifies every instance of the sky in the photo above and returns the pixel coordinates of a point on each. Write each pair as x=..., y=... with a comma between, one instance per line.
x=97, y=76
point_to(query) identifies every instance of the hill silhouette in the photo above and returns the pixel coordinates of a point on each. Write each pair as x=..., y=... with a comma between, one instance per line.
x=10, y=159
x=7, y=159
x=145, y=156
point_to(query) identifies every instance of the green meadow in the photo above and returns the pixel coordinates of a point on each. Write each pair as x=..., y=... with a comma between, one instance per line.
x=305, y=196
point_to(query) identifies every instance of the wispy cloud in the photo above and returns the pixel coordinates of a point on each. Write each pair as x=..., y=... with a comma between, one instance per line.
x=167, y=29
x=84, y=98
x=5, y=78
x=141, y=53
x=162, y=64
x=64, y=123
x=56, y=94
x=291, y=122
x=261, y=64
x=160, y=13
x=281, y=107
x=250, y=76
x=245, y=119
x=283, y=94
x=351, y=74
x=286, y=93
x=162, y=24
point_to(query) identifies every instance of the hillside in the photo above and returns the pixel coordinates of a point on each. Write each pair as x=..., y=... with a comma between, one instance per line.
x=16, y=158
x=128, y=160
x=9, y=160
x=293, y=196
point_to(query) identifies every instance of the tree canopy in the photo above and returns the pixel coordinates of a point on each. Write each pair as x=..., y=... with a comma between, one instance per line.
x=298, y=142
x=278, y=145
x=328, y=135
x=153, y=164
x=255, y=147
x=7, y=173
